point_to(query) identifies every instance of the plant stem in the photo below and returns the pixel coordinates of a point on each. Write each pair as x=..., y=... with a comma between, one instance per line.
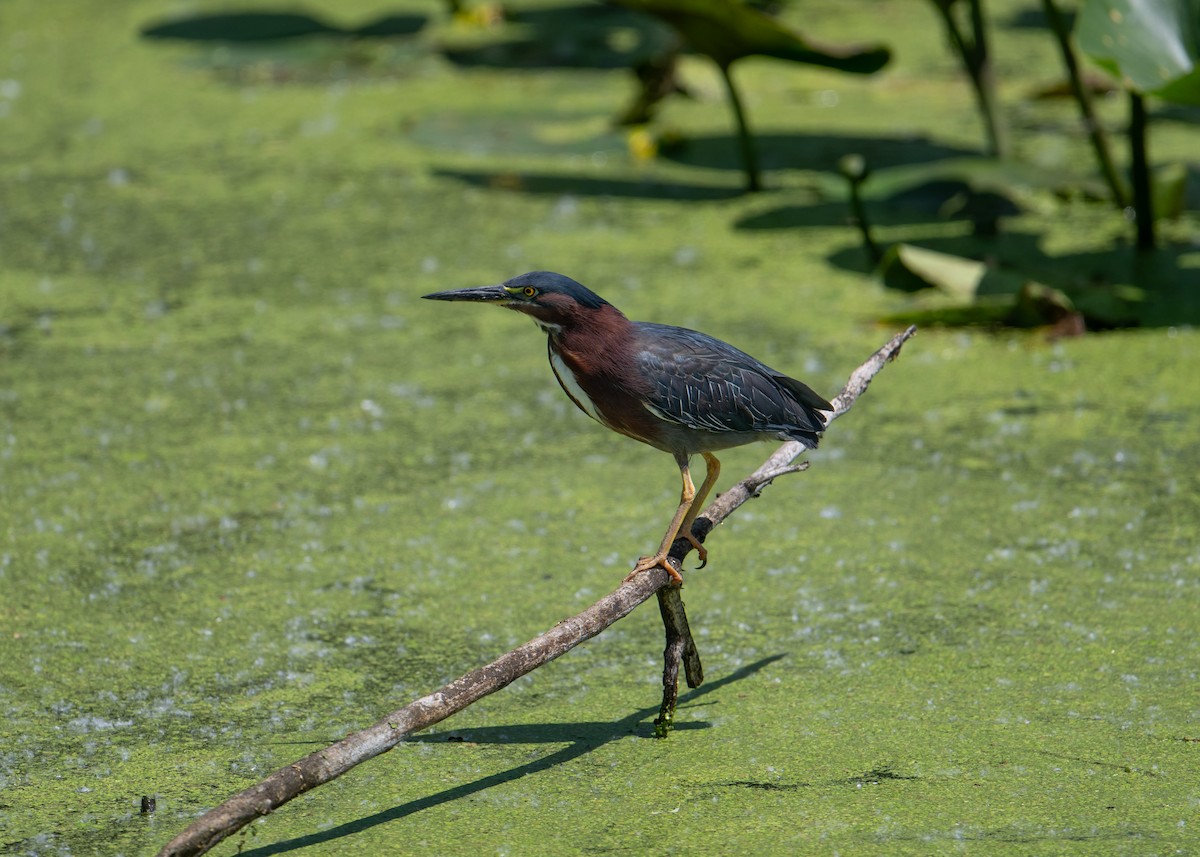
x=985, y=84
x=977, y=62
x=745, y=141
x=1099, y=139
x=859, y=211
x=1143, y=207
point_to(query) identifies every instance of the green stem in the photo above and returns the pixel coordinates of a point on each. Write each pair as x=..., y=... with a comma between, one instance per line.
x=1139, y=166
x=745, y=141
x=984, y=79
x=864, y=227
x=1099, y=139
x=977, y=63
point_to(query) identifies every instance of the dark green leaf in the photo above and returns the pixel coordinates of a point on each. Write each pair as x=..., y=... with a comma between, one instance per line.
x=1152, y=45
x=727, y=30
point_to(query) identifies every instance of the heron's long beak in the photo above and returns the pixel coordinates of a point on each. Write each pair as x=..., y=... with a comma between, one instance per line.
x=483, y=294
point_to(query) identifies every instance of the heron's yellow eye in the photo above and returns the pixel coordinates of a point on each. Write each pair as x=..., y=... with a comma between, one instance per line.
x=529, y=291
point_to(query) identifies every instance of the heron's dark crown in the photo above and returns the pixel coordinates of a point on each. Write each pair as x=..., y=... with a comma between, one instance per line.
x=550, y=283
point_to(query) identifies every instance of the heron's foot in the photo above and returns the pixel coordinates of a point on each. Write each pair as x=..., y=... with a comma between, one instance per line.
x=659, y=560
x=701, y=550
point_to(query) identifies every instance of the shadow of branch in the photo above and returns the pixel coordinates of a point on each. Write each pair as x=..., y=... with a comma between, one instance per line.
x=584, y=738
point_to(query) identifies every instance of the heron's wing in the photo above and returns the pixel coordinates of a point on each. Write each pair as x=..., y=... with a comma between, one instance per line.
x=706, y=384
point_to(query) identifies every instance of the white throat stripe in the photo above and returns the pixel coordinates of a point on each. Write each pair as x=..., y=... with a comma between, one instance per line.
x=566, y=379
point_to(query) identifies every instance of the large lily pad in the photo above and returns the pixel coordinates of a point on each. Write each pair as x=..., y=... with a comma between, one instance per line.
x=1152, y=45
x=727, y=30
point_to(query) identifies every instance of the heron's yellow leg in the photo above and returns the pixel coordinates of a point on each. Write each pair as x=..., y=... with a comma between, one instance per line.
x=686, y=498
x=685, y=526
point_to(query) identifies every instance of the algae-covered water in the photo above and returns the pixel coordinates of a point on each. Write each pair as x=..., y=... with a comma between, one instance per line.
x=255, y=494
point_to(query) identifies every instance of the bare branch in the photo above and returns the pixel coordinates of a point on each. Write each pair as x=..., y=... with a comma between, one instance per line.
x=333, y=761
x=780, y=460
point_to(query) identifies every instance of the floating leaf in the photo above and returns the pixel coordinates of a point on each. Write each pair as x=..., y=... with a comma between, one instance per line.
x=727, y=30
x=911, y=268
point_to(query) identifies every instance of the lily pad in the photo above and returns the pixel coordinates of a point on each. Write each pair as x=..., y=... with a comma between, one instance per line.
x=1152, y=45
x=727, y=30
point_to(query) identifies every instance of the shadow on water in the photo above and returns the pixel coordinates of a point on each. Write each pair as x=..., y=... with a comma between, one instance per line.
x=1111, y=287
x=586, y=36
x=812, y=151
x=546, y=183
x=931, y=201
x=584, y=737
x=1114, y=288
x=20, y=325
x=1033, y=18
x=257, y=46
x=275, y=27
x=1012, y=250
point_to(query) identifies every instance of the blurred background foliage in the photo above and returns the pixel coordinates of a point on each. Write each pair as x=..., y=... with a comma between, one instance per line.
x=254, y=492
x=1106, y=46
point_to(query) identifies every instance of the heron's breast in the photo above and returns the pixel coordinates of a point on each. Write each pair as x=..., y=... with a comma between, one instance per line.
x=609, y=399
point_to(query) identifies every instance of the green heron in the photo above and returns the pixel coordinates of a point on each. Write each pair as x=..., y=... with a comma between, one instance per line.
x=675, y=389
